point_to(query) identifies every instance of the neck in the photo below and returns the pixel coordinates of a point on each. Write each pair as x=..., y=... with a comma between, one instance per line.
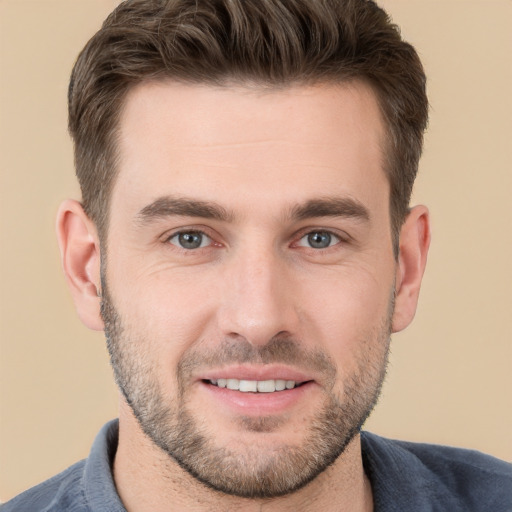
x=147, y=479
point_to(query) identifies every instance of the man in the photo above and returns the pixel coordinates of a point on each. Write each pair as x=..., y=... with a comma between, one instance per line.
x=245, y=240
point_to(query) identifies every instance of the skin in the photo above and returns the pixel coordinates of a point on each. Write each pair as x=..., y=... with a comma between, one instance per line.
x=260, y=156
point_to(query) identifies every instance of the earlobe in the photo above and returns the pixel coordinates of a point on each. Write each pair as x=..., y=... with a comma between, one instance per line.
x=414, y=244
x=80, y=255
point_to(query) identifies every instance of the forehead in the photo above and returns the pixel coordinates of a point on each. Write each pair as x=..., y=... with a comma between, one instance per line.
x=250, y=144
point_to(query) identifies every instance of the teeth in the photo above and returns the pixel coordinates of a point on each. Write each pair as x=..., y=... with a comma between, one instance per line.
x=280, y=385
x=266, y=386
x=253, y=386
x=233, y=384
x=248, y=385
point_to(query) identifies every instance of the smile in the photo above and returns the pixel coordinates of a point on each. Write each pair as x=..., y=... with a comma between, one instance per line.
x=255, y=386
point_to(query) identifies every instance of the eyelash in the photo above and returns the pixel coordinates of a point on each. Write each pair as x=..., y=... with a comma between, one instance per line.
x=323, y=233
x=339, y=239
x=201, y=232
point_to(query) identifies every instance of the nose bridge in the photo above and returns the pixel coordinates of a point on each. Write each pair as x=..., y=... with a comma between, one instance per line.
x=258, y=300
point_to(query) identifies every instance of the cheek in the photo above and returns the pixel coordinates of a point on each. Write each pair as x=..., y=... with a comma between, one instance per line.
x=166, y=312
x=349, y=316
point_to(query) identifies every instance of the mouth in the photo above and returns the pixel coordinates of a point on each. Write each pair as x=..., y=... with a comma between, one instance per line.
x=255, y=386
x=256, y=392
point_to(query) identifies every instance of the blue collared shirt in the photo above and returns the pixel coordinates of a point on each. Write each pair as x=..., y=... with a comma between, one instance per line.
x=404, y=477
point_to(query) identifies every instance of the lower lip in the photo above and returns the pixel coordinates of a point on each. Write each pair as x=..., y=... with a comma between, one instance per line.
x=258, y=404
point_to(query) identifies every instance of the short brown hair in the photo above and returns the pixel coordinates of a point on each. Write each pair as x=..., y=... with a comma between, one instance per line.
x=264, y=42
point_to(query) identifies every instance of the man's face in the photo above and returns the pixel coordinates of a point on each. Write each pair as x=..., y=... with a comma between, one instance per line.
x=249, y=277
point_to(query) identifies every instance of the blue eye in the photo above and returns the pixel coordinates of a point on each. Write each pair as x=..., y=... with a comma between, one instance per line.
x=190, y=240
x=319, y=240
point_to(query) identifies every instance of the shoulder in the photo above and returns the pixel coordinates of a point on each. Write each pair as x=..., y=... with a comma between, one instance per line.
x=61, y=492
x=87, y=486
x=443, y=477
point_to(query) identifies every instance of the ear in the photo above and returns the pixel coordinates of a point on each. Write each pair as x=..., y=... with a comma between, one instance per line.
x=414, y=244
x=80, y=254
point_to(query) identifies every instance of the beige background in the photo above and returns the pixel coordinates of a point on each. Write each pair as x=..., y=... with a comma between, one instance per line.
x=450, y=376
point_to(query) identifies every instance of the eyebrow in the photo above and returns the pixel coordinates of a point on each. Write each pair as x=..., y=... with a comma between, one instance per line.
x=177, y=206
x=331, y=207
x=169, y=206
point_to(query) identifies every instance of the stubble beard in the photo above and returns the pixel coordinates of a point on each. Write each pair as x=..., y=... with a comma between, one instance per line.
x=246, y=470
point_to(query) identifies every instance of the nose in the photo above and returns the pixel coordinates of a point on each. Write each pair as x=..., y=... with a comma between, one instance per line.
x=257, y=298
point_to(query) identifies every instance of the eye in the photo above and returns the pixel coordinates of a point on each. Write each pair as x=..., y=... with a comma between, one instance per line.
x=319, y=240
x=190, y=240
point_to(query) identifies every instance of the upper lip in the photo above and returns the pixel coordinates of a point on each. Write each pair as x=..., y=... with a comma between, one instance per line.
x=256, y=372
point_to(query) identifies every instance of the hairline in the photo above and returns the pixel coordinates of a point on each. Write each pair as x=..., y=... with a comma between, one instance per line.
x=113, y=139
